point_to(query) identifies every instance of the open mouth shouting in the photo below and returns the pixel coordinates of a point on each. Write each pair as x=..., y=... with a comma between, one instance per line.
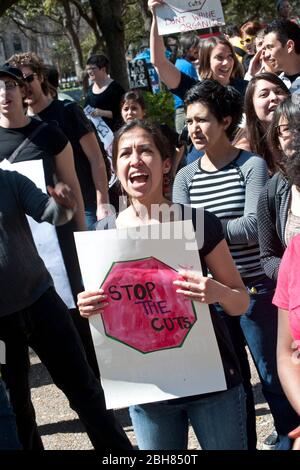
x=225, y=70
x=138, y=179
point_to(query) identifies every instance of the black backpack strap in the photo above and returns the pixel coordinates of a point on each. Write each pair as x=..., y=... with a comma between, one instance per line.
x=25, y=142
x=271, y=193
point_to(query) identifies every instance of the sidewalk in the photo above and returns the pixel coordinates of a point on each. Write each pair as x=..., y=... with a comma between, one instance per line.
x=61, y=429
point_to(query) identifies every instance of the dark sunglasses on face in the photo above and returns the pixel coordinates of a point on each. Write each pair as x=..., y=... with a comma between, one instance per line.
x=29, y=78
x=91, y=69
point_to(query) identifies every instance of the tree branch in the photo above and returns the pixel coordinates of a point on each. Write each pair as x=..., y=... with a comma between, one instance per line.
x=24, y=28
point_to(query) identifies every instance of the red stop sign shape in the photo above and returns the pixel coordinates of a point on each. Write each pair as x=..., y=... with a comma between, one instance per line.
x=144, y=310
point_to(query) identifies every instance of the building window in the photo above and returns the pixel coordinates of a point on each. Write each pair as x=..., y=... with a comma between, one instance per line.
x=17, y=43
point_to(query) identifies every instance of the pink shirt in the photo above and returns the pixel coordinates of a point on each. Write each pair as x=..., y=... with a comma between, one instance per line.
x=287, y=294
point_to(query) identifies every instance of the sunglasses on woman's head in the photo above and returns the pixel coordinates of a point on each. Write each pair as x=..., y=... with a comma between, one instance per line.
x=29, y=78
x=247, y=40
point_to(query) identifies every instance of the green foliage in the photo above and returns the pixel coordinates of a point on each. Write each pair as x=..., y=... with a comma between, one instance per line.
x=62, y=56
x=134, y=25
x=160, y=107
x=238, y=11
x=87, y=43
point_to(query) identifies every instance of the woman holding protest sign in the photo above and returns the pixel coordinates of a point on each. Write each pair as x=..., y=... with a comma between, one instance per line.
x=141, y=157
x=217, y=60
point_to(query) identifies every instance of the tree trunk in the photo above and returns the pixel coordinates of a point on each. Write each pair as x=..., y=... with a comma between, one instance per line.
x=74, y=40
x=147, y=16
x=109, y=18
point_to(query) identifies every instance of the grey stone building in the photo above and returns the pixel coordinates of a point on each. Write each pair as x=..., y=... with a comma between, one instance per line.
x=13, y=41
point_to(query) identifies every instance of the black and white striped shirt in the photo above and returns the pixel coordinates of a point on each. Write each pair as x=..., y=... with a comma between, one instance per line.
x=231, y=193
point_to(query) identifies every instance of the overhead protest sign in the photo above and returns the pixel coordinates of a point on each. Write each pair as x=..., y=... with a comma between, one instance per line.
x=151, y=343
x=180, y=16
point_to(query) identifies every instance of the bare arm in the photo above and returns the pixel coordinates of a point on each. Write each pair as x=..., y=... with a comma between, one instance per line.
x=167, y=71
x=65, y=172
x=288, y=361
x=102, y=113
x=226, y=287
x=93, y=152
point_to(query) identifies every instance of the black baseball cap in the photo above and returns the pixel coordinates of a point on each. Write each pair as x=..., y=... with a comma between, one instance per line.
x=12, y=72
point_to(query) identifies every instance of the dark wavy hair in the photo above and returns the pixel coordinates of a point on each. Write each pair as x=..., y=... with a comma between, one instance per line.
x=222, y=101
x=289, y=109
x=32, y=60
x=133, y=95
x=292, y=164
x=206, y=47
x=161, y=142
x=187, y=41
x=99, y=60
x=285, y=30
x=256, y=134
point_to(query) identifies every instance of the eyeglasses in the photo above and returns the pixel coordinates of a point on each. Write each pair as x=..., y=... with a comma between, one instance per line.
x=29, y=78
x=247, y=40
x=8, y=85
x=283, y=130
x=91, y=69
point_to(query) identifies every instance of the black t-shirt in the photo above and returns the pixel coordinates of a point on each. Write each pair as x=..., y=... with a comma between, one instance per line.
x=212, y=236
x=292, y=78
x=187, y=82
x=70, y=118
x=109, y=100
x=49, y=142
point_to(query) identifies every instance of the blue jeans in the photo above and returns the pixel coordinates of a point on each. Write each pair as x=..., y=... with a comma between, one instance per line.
x=259, y=326
x=8, y=432
x=47, y=327
x=259, y=329
x=218, y=419
x=90, y=210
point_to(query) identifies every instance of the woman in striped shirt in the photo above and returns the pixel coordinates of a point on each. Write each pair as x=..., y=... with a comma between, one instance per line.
x=227, y=181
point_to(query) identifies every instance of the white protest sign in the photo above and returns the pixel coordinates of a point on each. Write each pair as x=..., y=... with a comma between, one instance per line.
x=136, y=367
x=44, y=234
x=104, y=131
x=106, y=136
x=180, y=16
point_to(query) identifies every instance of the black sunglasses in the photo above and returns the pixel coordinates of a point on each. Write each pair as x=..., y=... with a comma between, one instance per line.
x=29, y=78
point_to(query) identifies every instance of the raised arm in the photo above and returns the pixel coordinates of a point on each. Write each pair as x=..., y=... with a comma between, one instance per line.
x=167, y=71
